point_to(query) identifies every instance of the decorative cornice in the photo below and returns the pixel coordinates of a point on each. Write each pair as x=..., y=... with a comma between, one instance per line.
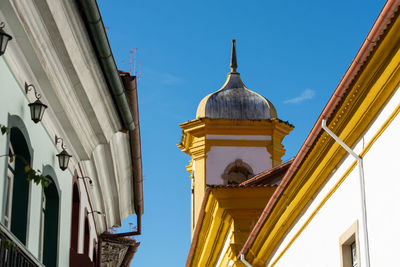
x=52, y=50
x=226, y=209
x=194, y=132
x=75, y=86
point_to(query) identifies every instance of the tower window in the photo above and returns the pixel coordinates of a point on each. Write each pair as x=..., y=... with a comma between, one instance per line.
x=237, y=172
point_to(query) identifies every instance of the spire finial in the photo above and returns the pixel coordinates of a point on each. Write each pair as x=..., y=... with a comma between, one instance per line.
x=233, y=57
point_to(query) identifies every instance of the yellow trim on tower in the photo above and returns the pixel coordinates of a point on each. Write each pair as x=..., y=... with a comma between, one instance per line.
x=226, y=210
x=195, y=144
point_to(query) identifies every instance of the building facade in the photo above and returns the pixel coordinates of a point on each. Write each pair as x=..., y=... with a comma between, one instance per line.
x=335, y=203
x=60, y=54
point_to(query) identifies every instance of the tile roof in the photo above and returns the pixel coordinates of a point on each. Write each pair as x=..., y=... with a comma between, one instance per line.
x=385, y=18
x=271, y=176
x=225, y=186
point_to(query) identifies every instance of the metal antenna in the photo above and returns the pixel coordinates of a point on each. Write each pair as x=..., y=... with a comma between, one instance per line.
x=140, y=71
x=133, y=61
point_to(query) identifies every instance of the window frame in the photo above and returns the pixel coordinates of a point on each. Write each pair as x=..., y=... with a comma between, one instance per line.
x=346, y=240
x=9, y=186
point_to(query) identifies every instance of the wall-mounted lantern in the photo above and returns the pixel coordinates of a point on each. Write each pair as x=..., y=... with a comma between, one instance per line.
x=63, y=156
x=37, y=107
x=4, y=38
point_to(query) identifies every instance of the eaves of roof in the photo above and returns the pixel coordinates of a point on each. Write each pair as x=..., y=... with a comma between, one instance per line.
x=95, y=27
x=367, y=48
x=209, y=189
x=266, y=176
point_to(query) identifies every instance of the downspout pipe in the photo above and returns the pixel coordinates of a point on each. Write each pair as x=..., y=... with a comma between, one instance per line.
x=97, y=33
x=362, y=189
x=242, y=259
x=134, y=138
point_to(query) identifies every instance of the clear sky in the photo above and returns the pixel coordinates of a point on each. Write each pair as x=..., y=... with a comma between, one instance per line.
x=292, y=52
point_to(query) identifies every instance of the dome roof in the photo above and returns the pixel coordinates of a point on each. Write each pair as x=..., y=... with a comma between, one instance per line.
x=235, y=101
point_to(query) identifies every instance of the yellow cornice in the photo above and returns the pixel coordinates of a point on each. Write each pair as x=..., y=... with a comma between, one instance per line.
x=194, y=132
x=239, y=143
x=366, y=97
x=189, y=167
x=195, y=125
x=228, y=209
x=340, y=181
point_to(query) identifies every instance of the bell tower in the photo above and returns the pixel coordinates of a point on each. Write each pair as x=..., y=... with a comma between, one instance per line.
x=236, y=134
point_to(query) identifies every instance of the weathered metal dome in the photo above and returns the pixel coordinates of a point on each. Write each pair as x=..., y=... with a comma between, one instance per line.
x=235, y=101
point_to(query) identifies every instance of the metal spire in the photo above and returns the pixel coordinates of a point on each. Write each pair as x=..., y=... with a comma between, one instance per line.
x=233, y=57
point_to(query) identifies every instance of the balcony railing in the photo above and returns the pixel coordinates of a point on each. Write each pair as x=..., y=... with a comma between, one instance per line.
x=13, y=253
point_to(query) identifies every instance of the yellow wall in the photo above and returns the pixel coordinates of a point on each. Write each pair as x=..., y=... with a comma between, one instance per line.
x=195, y=144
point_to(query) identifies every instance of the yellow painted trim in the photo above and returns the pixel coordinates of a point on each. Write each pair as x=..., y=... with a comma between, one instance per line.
x=239, y=143
x=384, y=126
x=195, y=144
x=376, y=136
x=228, y=209
x=320, y=205
x=367, y=95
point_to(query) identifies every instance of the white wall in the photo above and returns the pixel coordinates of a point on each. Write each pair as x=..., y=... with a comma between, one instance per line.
x=318, y=244
x=219, y=157
x=85, y=207
x=13, y=101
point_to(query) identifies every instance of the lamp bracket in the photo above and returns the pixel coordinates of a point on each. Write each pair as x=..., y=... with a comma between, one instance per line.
x=29, y=87
x=58, y=140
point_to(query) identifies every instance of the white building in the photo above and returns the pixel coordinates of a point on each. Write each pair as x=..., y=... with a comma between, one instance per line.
x=338, y=205
x=61, y=48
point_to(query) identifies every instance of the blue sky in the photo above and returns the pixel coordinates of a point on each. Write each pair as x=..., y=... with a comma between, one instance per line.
x=292, y=52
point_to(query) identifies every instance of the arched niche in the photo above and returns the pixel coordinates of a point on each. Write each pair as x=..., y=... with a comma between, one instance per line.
x=17, y=188
x=51, y=211
x=76, y=205
x=86, y=236
x=48, y=171
x=94, y=260
x=237, y=172
x=14, y=121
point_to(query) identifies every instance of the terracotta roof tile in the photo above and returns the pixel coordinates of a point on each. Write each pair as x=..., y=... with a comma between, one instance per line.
x=224, y=186
x=379, y=28
x=270, y=176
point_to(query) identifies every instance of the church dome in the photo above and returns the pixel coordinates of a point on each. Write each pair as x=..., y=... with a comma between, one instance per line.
x=235, y=101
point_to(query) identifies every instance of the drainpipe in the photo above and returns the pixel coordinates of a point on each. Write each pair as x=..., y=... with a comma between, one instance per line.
x=136, y=155
x=95, y=27
x=241, y=257
x=362, y=189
